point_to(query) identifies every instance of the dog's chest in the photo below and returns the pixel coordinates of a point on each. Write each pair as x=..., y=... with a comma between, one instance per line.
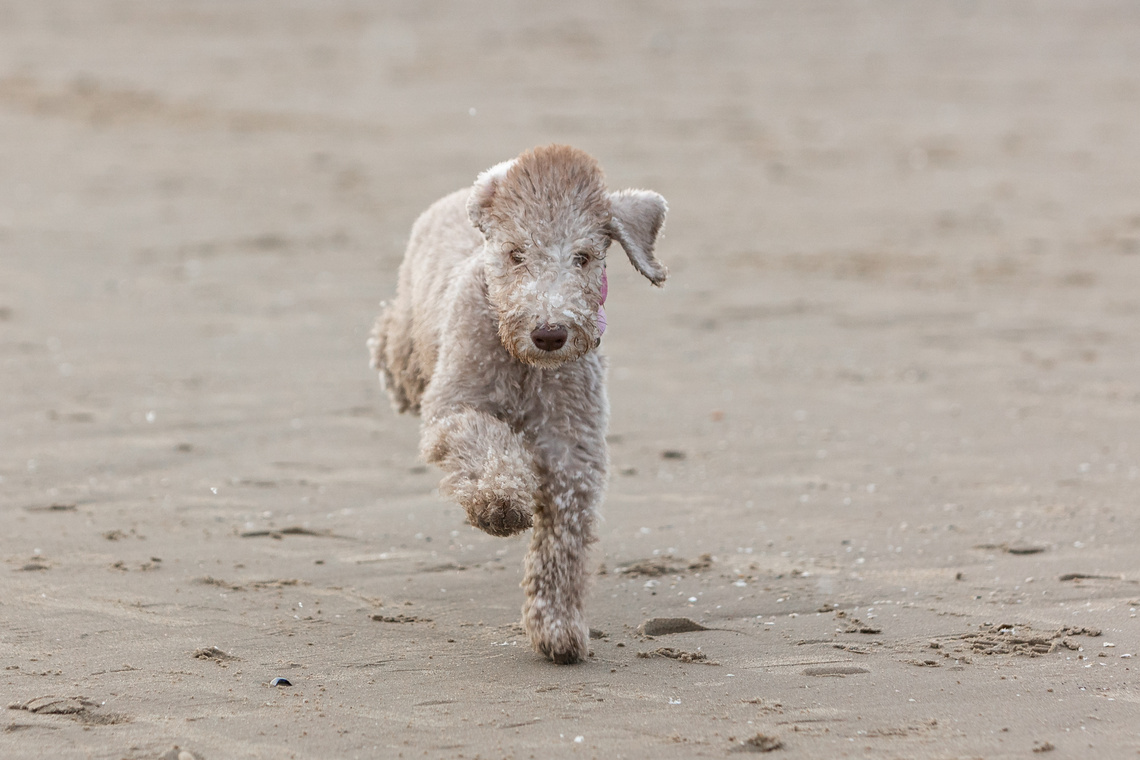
x=531, y=399
x=517, y=393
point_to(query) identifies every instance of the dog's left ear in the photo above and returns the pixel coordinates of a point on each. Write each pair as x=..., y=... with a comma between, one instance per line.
x=637, y=218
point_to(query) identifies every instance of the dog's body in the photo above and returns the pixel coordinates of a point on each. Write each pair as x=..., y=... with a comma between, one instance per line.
x=491, y=339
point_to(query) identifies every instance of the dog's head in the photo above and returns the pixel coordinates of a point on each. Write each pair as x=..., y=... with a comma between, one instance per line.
x=548, y=221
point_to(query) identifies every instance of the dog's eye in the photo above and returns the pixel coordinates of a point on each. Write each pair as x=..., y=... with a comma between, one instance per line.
x=581, y=259
x=516, y=255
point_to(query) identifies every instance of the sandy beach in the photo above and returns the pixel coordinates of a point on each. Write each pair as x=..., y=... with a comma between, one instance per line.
x=875, y=445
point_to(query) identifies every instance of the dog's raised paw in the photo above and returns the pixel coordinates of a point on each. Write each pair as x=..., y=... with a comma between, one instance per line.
x=500, y=517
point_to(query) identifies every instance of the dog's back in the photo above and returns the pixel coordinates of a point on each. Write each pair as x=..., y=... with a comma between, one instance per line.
x=405, y=340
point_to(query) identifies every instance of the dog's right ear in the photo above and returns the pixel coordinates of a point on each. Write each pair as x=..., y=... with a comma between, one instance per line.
x=483, y=193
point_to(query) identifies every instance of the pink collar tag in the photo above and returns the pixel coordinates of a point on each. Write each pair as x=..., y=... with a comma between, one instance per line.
x=601, y=310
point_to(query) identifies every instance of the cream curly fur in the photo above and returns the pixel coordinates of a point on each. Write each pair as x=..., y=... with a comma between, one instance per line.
x=518, y=429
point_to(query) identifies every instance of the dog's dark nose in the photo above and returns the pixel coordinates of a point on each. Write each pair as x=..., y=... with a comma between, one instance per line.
x=549, y=337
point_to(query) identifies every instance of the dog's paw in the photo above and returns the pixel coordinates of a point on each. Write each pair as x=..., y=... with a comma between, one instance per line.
x=493, y=506
x=499, y=515
x=563, y=640
x=569, y=654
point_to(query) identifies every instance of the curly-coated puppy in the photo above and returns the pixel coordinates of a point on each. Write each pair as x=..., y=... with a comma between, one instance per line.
x=491, y=338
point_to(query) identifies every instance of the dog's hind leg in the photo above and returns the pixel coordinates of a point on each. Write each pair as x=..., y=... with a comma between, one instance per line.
x=390, y=347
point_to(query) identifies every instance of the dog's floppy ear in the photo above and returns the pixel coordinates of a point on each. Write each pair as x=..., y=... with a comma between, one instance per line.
x=637, y=218
x=483, y=193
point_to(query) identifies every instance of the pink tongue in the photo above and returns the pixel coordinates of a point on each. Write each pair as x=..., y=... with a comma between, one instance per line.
x=602, y=311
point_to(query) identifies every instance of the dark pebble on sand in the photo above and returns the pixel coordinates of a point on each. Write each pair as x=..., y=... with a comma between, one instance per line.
x=666, y=626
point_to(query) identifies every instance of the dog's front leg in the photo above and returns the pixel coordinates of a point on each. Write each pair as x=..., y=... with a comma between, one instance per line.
x=573, y=462
x=556, y=574
x=489, y=470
